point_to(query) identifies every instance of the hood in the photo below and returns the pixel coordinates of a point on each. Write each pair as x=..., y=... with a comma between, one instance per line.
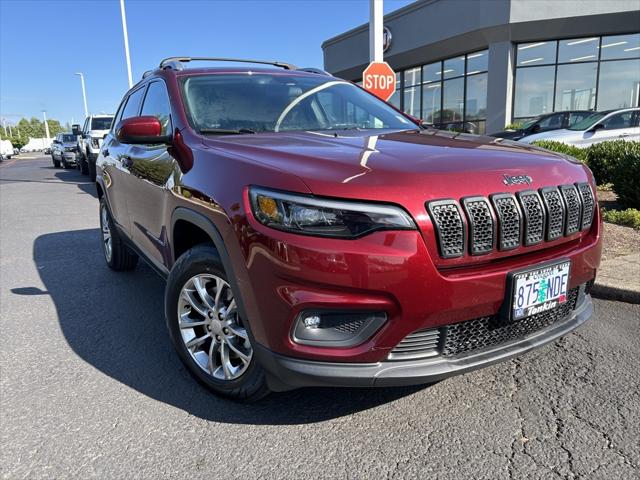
x=98, y=133
x=398, y=166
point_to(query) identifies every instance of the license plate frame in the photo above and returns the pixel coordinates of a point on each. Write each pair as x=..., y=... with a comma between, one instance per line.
x=510, y=313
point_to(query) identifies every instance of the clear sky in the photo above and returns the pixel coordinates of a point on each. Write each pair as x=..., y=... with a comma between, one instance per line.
x=42, y=43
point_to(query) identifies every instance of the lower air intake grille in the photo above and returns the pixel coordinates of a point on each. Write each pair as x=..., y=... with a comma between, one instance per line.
x=486, y=332
x=420, y=344
x=450, y=230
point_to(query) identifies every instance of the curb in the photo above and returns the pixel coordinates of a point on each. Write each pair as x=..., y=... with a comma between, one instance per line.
x=608, y=292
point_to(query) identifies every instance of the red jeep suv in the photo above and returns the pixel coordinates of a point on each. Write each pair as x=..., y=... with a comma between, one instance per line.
x=311, y=234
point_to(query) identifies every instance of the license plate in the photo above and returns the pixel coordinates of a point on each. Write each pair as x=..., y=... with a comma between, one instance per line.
x=540, y=289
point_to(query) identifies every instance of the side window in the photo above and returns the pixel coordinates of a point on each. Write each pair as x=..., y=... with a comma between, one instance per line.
x=132, y=106
x=552, y=122
x=619, y=120
x=156, y=103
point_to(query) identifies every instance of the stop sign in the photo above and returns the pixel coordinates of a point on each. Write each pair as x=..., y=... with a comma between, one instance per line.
x=379, y=79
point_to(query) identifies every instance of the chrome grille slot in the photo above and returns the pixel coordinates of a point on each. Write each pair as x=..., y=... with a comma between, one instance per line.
x=588, y=204
x=481, y=228
x=555, y=212
x=534, y=217
x=574, y=208
x=509, y=220
x=420, y=344
x=450, y=228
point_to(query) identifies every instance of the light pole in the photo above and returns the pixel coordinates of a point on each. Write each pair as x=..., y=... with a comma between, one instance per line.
x=376, y=13
x=46, y=125
x=84, y=94
x=126, y=41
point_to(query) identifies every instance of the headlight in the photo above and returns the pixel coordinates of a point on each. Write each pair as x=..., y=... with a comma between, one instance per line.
x=323, y=217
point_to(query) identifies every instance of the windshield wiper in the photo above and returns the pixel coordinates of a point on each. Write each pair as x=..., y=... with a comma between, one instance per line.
x=225, y=131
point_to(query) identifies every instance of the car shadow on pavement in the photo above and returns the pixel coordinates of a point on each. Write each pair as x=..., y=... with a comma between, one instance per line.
x=83, y=182
x=115, y=322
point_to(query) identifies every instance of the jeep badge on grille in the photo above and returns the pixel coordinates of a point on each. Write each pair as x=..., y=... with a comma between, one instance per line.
x=517, y=179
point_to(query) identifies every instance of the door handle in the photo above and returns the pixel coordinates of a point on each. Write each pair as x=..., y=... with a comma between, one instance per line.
x=126, y=161
x=624, y=135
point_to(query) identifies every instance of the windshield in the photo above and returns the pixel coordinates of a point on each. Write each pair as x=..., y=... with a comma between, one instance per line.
x=586, y=123
x=528, y=123
x=101, y=123
x=254, y=102
x=68, y=138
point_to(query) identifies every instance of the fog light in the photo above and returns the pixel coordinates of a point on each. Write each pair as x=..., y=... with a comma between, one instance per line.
x=312, y=321
x=336, y=328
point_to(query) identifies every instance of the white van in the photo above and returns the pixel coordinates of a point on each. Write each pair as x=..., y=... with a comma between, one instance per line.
x=6, y=149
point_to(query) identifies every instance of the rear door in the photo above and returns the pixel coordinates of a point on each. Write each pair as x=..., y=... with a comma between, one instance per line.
x=116, y=162
x=151, y=175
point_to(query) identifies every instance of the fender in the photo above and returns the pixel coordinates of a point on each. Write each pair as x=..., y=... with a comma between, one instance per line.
x=199, y=220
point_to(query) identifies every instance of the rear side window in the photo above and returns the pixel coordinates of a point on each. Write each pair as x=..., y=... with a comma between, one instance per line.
x=156, y=103
x=132, y=107
x=577, y=117
x=552, y=122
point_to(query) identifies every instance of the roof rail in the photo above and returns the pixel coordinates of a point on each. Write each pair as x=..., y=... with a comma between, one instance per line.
x=314, y=70
x=176, y=62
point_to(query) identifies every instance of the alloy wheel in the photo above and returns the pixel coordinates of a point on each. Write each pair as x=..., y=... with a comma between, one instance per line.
x=211, y=328
x=107, y=241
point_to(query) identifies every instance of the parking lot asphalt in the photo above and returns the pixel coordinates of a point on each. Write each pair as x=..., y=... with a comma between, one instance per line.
x=90, y=386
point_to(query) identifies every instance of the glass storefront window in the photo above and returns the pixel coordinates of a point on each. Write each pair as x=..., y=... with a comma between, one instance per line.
x=432, y=72
x=476, y=101
x=395, y=99
x=453, y=67
x=412, y=77
x=533, y=91
x=431, y=94
x=477, y=62
x=412, y=101
x=619, y=84
x=620, y=46
x=578, y=50
x=537, y=53
x=453, y=100
x=576, y=87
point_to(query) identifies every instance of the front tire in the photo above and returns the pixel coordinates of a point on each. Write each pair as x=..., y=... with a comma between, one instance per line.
x=91, y=161
x=84, y=166
x=56, y=163
x=117, y=255
x=205, y=327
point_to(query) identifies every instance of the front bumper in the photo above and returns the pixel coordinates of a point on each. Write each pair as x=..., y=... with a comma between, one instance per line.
x=286, y=373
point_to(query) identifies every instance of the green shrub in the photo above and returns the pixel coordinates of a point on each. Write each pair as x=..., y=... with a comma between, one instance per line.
x=629, y=217
x=602, y=158
x=625, y=168
x=579, y=153
x=513, y=126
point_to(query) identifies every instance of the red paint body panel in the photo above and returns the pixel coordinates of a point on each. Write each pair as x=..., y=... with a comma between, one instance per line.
x=400, y=272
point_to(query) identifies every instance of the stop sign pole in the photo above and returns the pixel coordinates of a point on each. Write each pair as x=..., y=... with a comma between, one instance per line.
x=378, y=78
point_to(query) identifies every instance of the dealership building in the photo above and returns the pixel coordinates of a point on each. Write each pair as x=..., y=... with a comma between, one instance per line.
x=478, y=65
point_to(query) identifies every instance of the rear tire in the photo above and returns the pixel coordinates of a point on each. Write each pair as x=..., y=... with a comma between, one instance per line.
x=224, y=361
x=116, y=253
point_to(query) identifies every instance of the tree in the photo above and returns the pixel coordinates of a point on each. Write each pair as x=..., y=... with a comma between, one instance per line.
x=33, y=128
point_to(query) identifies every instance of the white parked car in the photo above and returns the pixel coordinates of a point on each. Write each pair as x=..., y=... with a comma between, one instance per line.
x=6, y=149
x=599, y=127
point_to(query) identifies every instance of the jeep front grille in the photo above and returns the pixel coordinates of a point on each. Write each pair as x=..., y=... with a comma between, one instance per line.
x=480, y=333
x=509, y=221
x=449, y=227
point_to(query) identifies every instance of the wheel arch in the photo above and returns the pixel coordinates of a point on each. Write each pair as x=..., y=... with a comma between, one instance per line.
x=198, y=220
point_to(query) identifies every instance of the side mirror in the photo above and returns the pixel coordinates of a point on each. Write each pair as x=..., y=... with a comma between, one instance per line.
x=141, y=130
x=75, y=129
x=597, y=126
